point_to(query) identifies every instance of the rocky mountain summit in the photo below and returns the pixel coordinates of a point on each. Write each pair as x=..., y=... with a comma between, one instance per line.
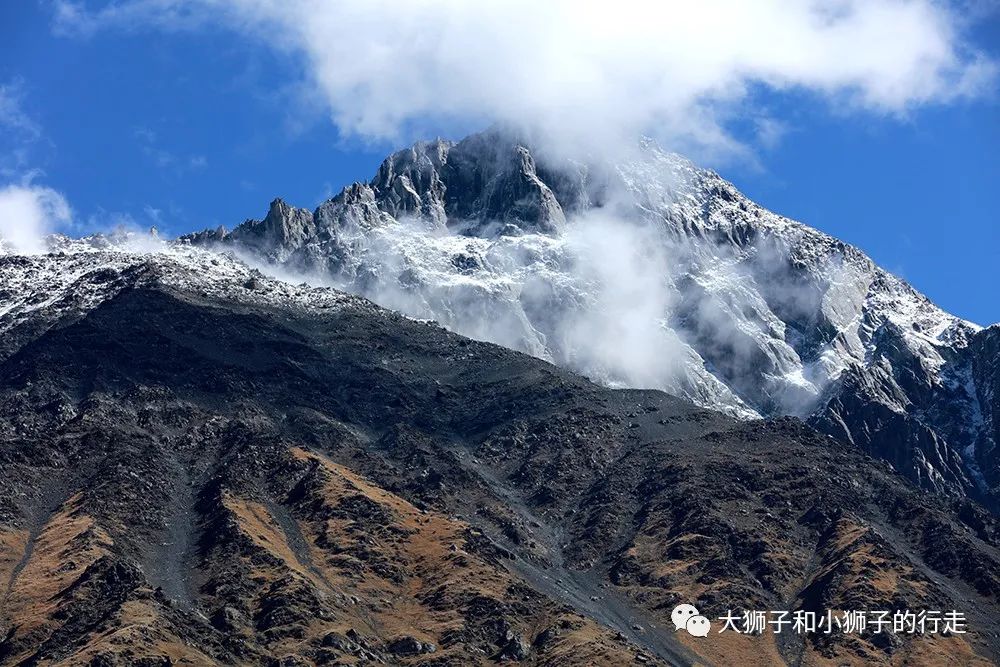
x=649, y=272
x=204, y=465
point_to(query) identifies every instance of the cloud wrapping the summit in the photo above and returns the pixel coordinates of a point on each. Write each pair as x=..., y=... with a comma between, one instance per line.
x=584, y=70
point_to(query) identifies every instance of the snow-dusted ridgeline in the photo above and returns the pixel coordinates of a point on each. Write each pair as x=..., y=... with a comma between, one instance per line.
x=645, y=272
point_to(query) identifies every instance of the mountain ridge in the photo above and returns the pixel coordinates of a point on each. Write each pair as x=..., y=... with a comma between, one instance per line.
x=744, y=310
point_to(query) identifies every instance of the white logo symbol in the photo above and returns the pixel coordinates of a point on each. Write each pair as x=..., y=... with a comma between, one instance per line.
x=686, y=616
x=681, y=614
x=698, y=626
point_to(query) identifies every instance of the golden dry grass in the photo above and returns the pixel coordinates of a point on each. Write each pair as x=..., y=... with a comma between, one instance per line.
x=67, y=545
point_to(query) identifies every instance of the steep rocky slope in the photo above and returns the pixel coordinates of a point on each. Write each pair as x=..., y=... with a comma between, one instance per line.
x=651, y=273
x=205, y=465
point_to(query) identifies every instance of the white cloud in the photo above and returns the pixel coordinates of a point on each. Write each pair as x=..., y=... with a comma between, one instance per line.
x=769, y=131
x=580, y=69
x=12, y=115
x=19, y=132
x=28, y=213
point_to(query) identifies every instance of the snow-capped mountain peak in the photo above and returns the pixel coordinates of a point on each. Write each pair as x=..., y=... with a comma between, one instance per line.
x=647, y=271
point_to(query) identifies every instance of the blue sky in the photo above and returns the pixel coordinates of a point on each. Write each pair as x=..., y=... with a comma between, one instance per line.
x=187, y=127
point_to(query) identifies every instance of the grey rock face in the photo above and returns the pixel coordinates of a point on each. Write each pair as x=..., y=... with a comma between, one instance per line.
x=984, y=357
x=409, y=182
x=650, y=272
x=283, y=229
x=275, y=237
x=485, y=182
